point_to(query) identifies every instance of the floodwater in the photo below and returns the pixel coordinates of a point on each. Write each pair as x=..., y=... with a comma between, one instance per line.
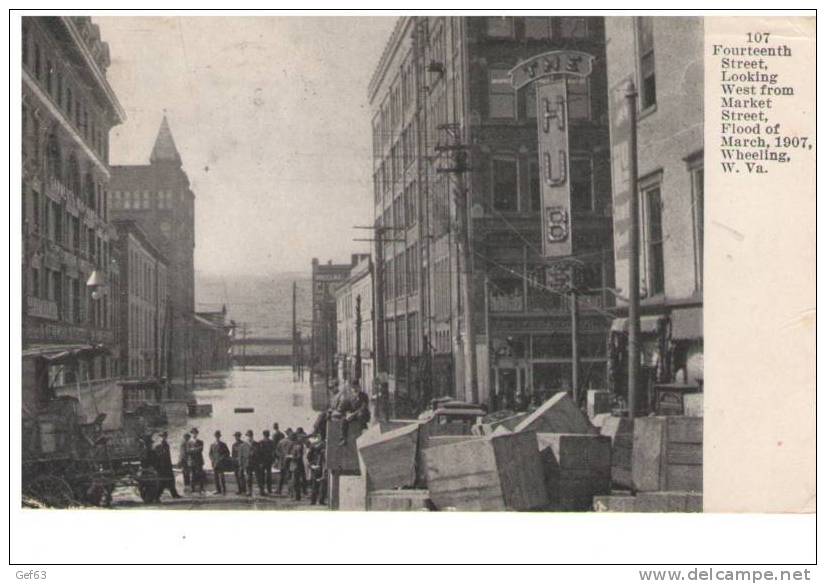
x=269, y=391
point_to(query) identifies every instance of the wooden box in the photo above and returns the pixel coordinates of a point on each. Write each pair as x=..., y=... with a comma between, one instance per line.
x=668, y=454
x=598, y=401
x=577, y=468
x=502, y=473
x=389, y=458
x=352, y=493
x=558, y=415
x=398, y=500
x=342, y=458
x=621, y=433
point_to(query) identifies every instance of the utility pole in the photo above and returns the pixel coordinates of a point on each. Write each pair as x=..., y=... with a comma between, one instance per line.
x=574, y=300
x=243, y=346
x=357, y=364
x=634, y=260
x=295, y=349
x=459, y=169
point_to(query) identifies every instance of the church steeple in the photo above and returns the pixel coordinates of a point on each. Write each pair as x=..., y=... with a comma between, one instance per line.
x=165, y=149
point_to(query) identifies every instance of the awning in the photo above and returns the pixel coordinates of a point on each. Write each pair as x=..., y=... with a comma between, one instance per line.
x=56, y=354
x=687, y=324
x=648, y=324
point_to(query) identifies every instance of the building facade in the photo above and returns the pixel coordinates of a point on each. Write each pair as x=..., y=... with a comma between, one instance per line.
x=69, y=276
x=664, y=59
x=158, y=197
x=213, y=349
x=354, y=325
x=143, y=304
x=326, y=278
x=464, y=231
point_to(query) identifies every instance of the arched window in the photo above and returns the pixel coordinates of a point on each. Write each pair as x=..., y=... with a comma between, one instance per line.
x=54, y=162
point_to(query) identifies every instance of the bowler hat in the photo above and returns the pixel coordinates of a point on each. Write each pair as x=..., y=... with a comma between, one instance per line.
x=237, y=434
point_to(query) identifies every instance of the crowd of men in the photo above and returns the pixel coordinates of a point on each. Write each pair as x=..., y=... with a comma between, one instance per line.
x=298, y=458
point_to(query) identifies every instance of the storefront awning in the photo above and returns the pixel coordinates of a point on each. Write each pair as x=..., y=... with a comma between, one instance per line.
x=648, y=324
x=57, y=354
x=687, y=324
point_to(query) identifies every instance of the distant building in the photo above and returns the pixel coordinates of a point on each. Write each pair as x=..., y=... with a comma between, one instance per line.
x=664, y=58
x=325, y=280
x=442, y=86
x=354, y=297
x=144, y=304
x=213, y=342
x=69, y=274
x=158, y=197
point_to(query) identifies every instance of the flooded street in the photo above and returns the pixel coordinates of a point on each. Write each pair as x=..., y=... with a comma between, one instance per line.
x=269, y=392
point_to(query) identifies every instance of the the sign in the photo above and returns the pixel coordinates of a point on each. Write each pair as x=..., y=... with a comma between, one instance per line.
x=552, y=124
x=620, y=169
x=575, y=63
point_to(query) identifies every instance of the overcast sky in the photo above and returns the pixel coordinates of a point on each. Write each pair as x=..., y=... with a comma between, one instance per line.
x=270, y=116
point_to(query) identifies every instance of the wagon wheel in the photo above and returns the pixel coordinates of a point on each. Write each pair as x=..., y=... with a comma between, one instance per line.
x=51, y=490
x=148, y=485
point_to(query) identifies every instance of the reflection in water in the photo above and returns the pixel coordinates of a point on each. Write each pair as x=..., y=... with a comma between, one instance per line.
x=270, y=392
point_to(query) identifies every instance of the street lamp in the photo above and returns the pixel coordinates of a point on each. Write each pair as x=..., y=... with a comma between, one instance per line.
x=95, y=284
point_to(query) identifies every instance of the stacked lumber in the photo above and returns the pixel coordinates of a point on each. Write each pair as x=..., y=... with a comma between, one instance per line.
x=668, y=454
x=621, y=433
x=577, y=468
x=500, y=473
x=398, y=500
x=557, y=415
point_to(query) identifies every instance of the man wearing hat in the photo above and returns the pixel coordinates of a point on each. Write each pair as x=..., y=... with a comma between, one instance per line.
x=163, y=466
x=219, y=456
x=266, y=456
x=183, y=462
x=252, y=464
x=195, y=458
x=240, y=458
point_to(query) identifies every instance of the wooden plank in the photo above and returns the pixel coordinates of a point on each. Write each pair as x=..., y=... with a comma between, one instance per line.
x=668, y=454
x=390, y=458
x=398, y=500
x=682, y=453
x=685, y=429
x=352, y=493
x=647, y=455
x=668, y=502
x=520, y=471
x=577, y=468
x=684, y=478
x=615, y=503
x=557, y=415
x=342, y=458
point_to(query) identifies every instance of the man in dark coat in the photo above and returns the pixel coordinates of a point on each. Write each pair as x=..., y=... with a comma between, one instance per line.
x=240, y=452
x=219, y=456
x=183, y=462
x=316, y=458
x=354, y=408
x=195, y=458
x=266, y=456
x=254, y=466
x=295, y=462
x=283, y=451
x=163, y=466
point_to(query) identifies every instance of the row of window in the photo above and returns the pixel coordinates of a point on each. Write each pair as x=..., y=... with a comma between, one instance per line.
x=70, y=296
x=144, y=279
x=538, y=27
x=401, y=274
x=162, y=199
x=51, y=220
x=142, y=328
x=402, y=338
x=64, y=89
x=504, y=101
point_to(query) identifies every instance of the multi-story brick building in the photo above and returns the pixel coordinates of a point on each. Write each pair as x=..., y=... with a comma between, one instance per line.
x=442, y=86
x=325, y=280
x=664, y=59
x=354, y=323
x=69, y=276
x=158, y=197
x=144, y=304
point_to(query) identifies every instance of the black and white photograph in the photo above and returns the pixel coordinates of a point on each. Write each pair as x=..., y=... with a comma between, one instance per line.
x=374, y=262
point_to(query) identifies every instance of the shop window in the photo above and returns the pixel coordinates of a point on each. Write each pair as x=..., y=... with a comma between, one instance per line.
x=537, y=27
x=505, y=185
x=579, y=99
x=549, y=378
x=501, y=95
x=506, y=295
x=652, y=206
x=573, y=27
x=582, y=184
x=645, y=56
x=499, y=26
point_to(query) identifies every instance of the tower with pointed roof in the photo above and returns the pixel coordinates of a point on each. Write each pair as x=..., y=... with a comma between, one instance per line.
x=159, y=198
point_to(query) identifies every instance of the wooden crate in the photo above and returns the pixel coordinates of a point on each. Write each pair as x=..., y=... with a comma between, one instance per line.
x=398, y=500
x=502, y=473
x=352, y=493
x=557, y=415
x=668, y=454
x=621, y=433
x=597, y=401
x=577, y=468
x=389, y=458
x=342, y=459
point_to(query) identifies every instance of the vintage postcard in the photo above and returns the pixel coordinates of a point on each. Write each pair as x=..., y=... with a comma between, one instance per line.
x=416, y=262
